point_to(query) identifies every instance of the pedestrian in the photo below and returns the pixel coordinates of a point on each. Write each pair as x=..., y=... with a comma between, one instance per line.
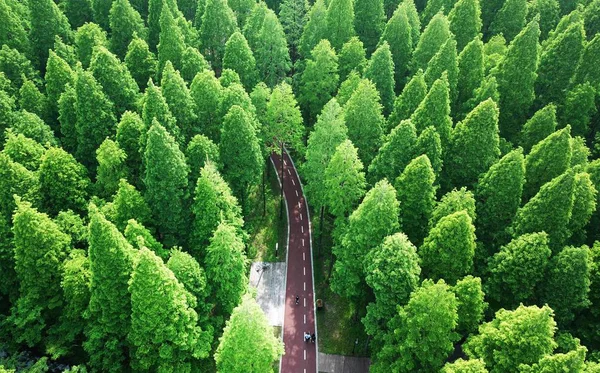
x=297, y=300
x=306, y=337
x=313, y=338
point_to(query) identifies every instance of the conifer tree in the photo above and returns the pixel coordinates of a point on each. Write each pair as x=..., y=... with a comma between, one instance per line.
x=348, y=87
x=416, y=194
x=510, y=19
x=254, y=23
x=140, y=61
x=516, y=75
x=241, y=9
x=67, y=117
x=260, y=96
x=470, y=71
x=433, y=7
x=46, y=22
x=207, y=94
x=413, y=20
x=340, y=22
x=320, y=79
x=225, y=266
x=471, y=304
x=33, y=101
x=549, y=211
x=95, y=117
x=125, y=23
x=315, y=28
x=32, y=126
x=397, y=33
x=517, y=269
x=14, y=65
x=139, y=237
x=363, y=113
x=192, y=62
x=352, y=57
x=111, y=167
x=111, y=264
x=429, y=143
x=218, y=23
x=153, y=21
x=200, y=150
x=449, y=248
x=444, y=61
x=272, y=55
x=579, y=107
x=248, y=343
x=465, y=22
x=283, y=119
x=558, y=62
x=162, y=318
x=548, y=11
x=155, y=107
x=58, y=74
x=548, y=159
x=171, y=42
x=13, y=32
x=115, y=80
x=465, y=366
x=87, y=38
x=39, y=250
x=380, y=70
x=101, y=12
x=23, y=150
x=165, y=179
x=474, y=145
x=380, y=208
x=129, y=134
x=293, y=15
x=15, y=179
x=240, y=153
x=129, y=204
x=180, y=101
x=343, y=180
x=588, y=72
x=239, y=58
x=487, y=89
x=407, y=102
x=369, y=21
x=431, y=40
x=66, y=52
x=584, y=204
x=498, y=196
x=395, y=153
x=541, y=125
x=434, y=111
x=454, y=201
x=63, y=182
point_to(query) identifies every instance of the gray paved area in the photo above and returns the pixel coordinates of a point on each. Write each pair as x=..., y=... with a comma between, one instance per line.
x=343, y=364
x=270, y=289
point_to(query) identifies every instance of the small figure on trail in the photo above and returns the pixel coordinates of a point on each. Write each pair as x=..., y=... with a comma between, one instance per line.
x=306, y=337
x=313, y=337
x=297, y=300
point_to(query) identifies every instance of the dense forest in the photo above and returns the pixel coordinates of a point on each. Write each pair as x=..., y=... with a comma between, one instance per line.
x=450, y=152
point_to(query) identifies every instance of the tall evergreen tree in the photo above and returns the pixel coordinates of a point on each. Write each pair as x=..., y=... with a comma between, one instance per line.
x=584, y=204
x=283, y=121
x=294, y=15
x=47, y=21
x=579, y=107
x=165, y=180
x=111, y=167
x=87, y=37
x=101, y=12
x=239, y=58
x=510, y=19
x=180, y=101
x=465, y=22
x=58, y=74
x=128, y=203
x=541, y=125
x=548, y=11
x=431, y=40
x=207, y=94
x=129, y=134
x=67, y=117
x=218, y=23
x=140, y=62
x=397, y=33
x=171, y=42
x=429, y=143
x=13, y=32
x=434, y=110
x=470, y=71
x=340, y=22
x=320, y=79
x=407, y=102
x=254, y=23
x=444, y=61
x=272, y=55
x=153, y=21
x=125, y=23
x=192, y=63
x=352, y=57
x=471, y=304
x=395, y=154
x=451, y=202
x=155, y=107
x=241, y=9
x=380, y=70
x=369, y=21
x=315, y=28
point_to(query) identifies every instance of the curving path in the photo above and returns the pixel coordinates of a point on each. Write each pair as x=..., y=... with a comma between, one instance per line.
x=300, y=357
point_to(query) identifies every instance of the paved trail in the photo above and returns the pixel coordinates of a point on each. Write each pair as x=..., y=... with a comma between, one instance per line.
x=300, y=357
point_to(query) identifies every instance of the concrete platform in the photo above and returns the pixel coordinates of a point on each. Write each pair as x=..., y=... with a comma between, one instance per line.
x=269, y=280
x=343, y=364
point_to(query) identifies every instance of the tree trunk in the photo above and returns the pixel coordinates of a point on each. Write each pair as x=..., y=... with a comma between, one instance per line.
x=321, y=231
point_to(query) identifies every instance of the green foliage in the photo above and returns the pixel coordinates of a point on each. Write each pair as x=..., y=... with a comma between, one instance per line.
x=13, y=32
x=171, y=42
x=573, y=360
x=343, y=180
x=179, y=99
x=348, y=87
x=340, y=22
x=129, y=204
x=320, y=79
x=207, y=93
x=315, y=28
x=23, y=150
x=140, y=61
x=444, y=61
x=395, y=153
x=248, y=343
x=470, y=71
x=87, y=37
x=32, y=126
x=67, y=117
x=283, y=121
x=188, y=271
x=369, y=21
x=471, y=304
x=240, y=59
x=294, y=16
x=154, y=10
x=139, y=237
x=46, y=22
x=407, y=102
x=374, y=219
x=58, y=74
x=192, y=62
x=429, y=143
x=579, y=108
x=541, y=125
x=398, y=34
x=15, y=65
x=451, y=202
x=125, y=24
x=465, y=22
x=548, y=11
x=365, y=121
x=510, y=19
x=272, y=55
x=465, y=366
x=218, y=23
x=242, y=9
x=434, y=111
x=200, y=151
x=32, y=100
x=584, y=203
x=432, y=39
x=129, y=133
x=522, y=336
x=63, y=182
x=111, y=167
x=155, y=107
x=380, y=70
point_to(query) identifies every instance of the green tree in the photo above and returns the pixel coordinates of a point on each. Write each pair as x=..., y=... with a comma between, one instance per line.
x=14, y=65
x=32, y=100
x=260, y=96
x=171, y=42
x=584, y=204
x=39, y=250
x=140, y=61
x=369, y=21
x=416, y=194
x=315, y=28
x=111, y=264
x=248, y=343
x=254, y=23
x=348, y=87
x=407, y=102
x=139, y=237
x=516, y=75
x=242, y=9
x=343, y=180
x=192, y=62
x=586, y=72
x=101, y=12
x=32, y=126
x=516, y=270
x=207, y=94
x=541, y=125
x=13, y=32
x=395, y=153
x=165, y=179
x=548, y=211
x=225, y=266
x=431, y=40
x=129, y=204
x=58, y=74
x=434, y=111
x=125, y=23
x=78, y=12
x=111, y=167
x=63, y=182
x=548, y=11
x=23, y=150
x=15, y=179
x=548, y=159
x=465, y=366
x=397, y=33
x=471, y=304
x=162, y=319
x=498, y=196
x=444, y=61
x=380, y=70
x=46, y=22
x=470, y=71
x=179, y=99
x=451, y=202
x=319, y=80
x=340, y=22
x=129, y=134
x=283, y=121
x=579, y=108
x=115, y=79
x=487, y=89
x=239, y=58
x=571, y=360
x=67, y=117
x=465, y=22
x=294, y=15
x=87, y=37
x=200, y=150
x=95, y=118
x=522, y=336
x=272, y=54
x=218, y=23
x=154, y=8
x=365, y=121
x=155, y=107
x=510, y=19
x=374, y=219
x=429, y=143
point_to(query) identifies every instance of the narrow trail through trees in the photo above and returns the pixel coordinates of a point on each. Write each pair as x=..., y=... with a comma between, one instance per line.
x=300, y=356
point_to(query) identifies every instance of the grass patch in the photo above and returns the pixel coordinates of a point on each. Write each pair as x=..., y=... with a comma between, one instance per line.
x=268, y=229
x=338, y=322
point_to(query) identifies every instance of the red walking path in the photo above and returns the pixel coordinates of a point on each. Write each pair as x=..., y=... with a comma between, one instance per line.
x=300, y=357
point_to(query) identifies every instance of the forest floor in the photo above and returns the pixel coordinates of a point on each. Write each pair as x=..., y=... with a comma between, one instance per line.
x=338, y=326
